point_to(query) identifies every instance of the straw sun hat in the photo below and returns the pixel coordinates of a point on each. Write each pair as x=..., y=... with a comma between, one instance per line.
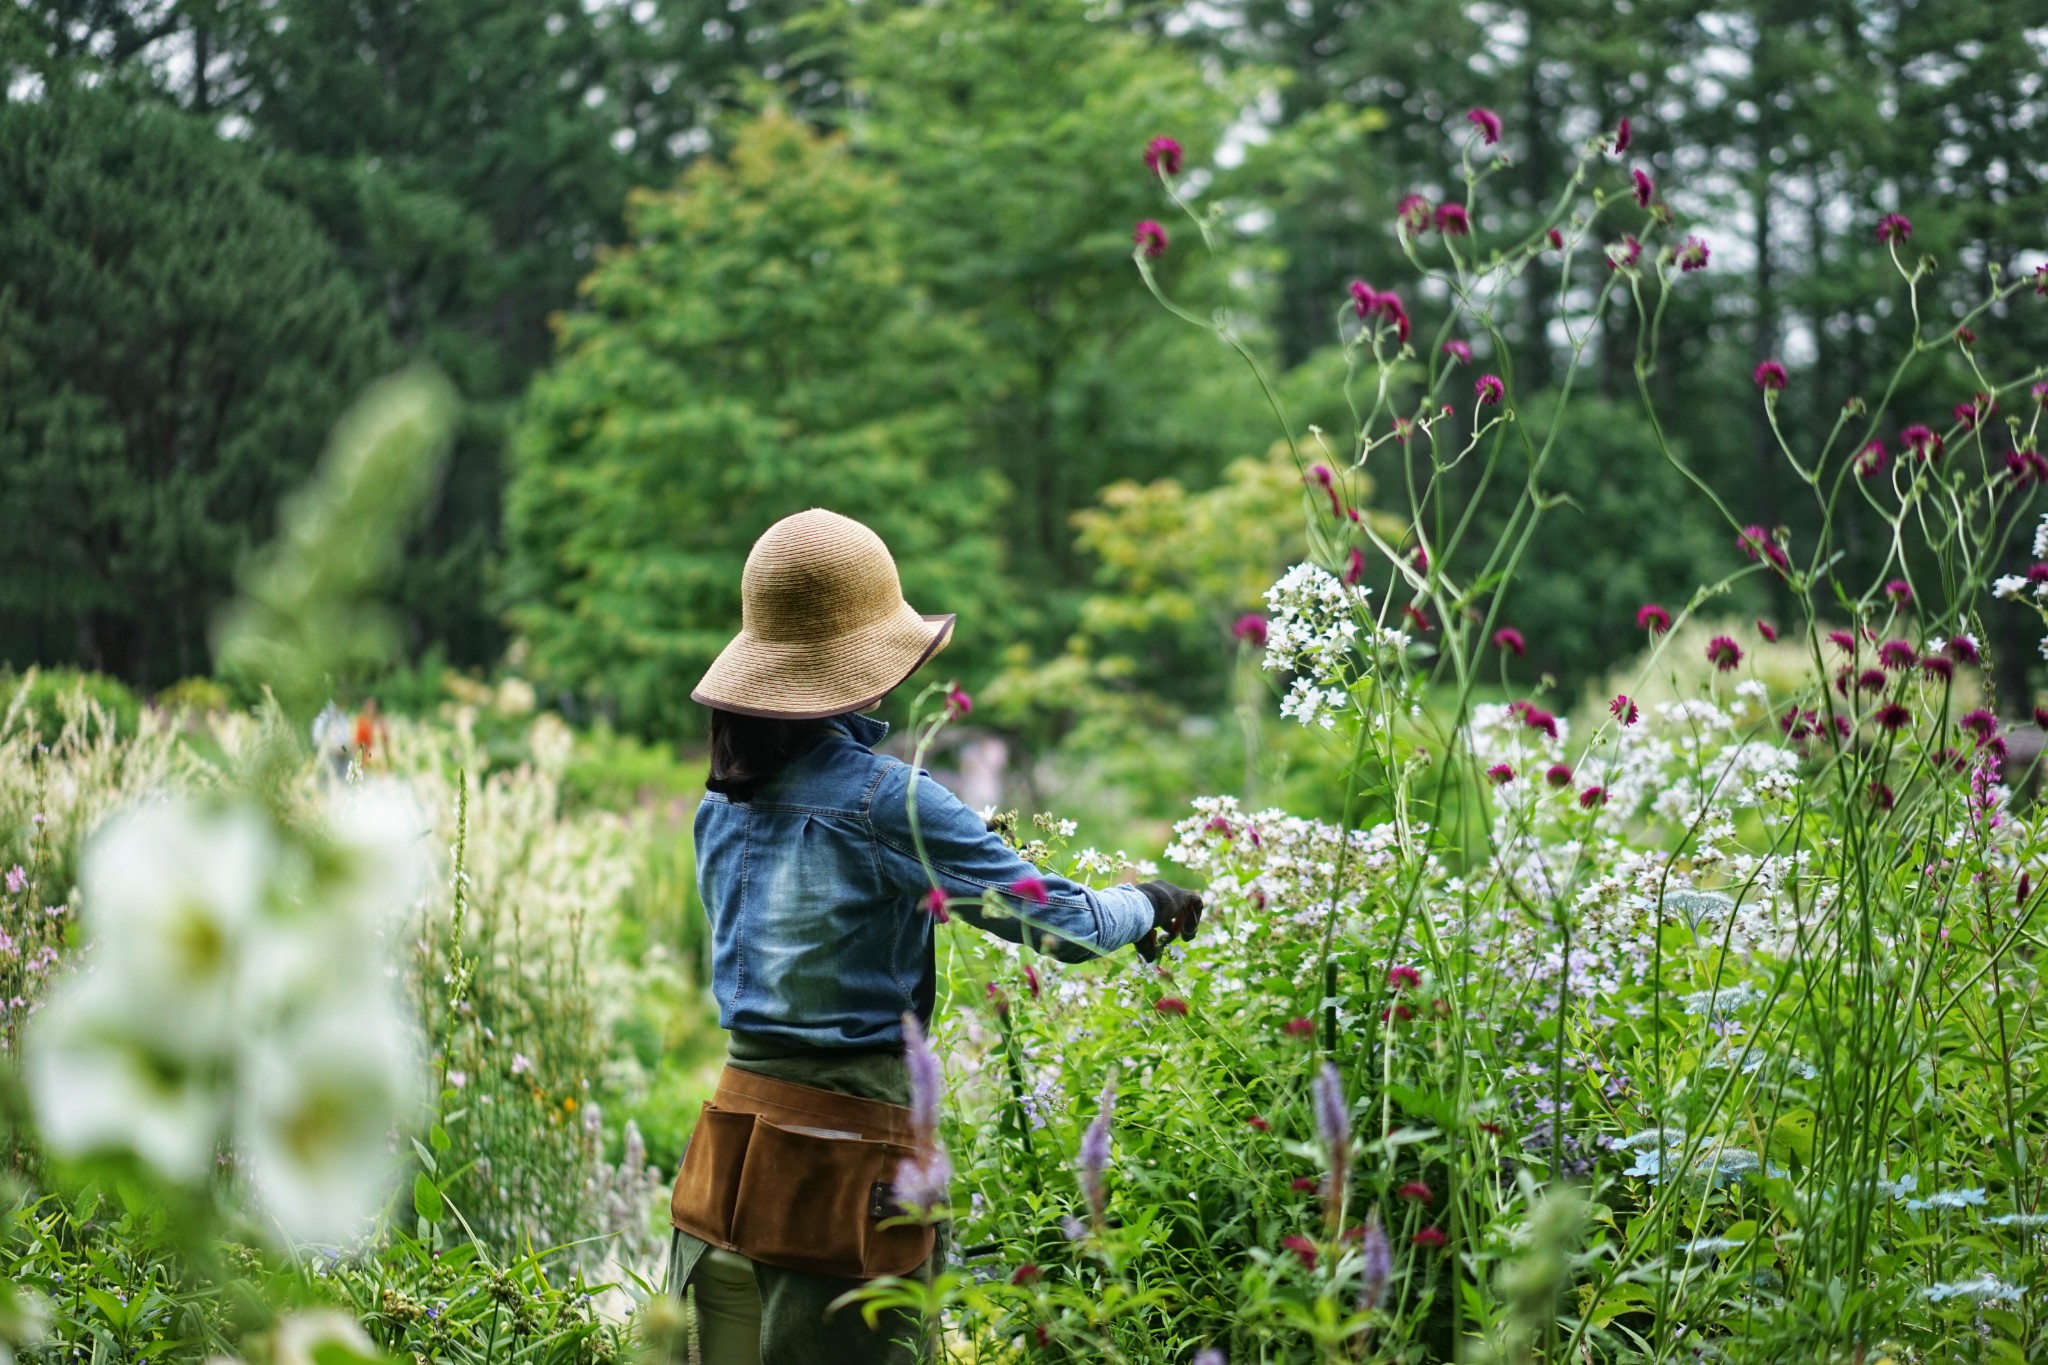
x=824, y=627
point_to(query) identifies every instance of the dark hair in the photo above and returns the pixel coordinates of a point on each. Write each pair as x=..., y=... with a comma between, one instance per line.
x=748, y=752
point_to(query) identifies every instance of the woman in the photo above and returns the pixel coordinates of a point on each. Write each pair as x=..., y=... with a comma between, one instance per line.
x=821, y=888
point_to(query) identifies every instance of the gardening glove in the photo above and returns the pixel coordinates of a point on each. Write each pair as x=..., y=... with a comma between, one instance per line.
x=1176, y=911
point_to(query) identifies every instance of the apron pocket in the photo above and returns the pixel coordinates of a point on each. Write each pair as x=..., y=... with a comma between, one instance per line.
x=812, y=1202
x=709, y=1181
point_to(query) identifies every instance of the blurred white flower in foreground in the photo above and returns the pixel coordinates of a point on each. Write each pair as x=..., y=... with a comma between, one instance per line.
x=236, y=967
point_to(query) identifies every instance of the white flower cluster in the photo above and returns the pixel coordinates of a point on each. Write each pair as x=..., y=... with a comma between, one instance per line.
x=1316, y=627
x=235, y=988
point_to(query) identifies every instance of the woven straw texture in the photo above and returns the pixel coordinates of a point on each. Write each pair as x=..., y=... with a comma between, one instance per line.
x=824, y=627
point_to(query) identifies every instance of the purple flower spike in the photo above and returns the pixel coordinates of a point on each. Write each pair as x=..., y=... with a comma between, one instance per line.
x=1093, y=1158
x=927, y=1083
x=1376, y=1256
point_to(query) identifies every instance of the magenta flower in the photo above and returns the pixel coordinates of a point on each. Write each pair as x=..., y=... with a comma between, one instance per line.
x=1693, y=255
x=1150, y=237
x=1939, y=667
x=1897, y=654
x=1510, y=640
x=1321, y=476
x=2040, y=394
x=1646, y=188
x=1302, y=1184
x=1921, y=441
x=1767, y=630
x=1970, y=414
x=1031, y=889
x=1871, y=680
x=1413, y=213
x=1625, y=710
x=1364, y=298
x=958, y=703
x=1980, y=723
x=1429, y=1238
x=1536, y=718
x=1558, y=775
x=2041, y=280
x=1453, y=221
x=1171, y=1004
x=1162, y=157
x=1461, y=352
x=934, y=904
x=1870, y=460
x=1416, y=1190
x=1251, y=628
x=1756, y=543
x=1894, y=227
x=1881, y=796
x=1892, y=717
x=1723, y=653
x=1556, y=239
x=1898, y=590
x=1417, y=617
x=1031, y=980
x=1622, y=137
x=1354, y=567
x=1592, y=798
x=1299, y=1027
x=1302, y=1247
x=1965, y=338
x=1500, y=774
x=1488, y=124
x=1652, y=618
x=1769, y=375
x=1403, y=978
x=1625, y=252
x=1964, y=647
x=1489, y=389
x=1842, y=640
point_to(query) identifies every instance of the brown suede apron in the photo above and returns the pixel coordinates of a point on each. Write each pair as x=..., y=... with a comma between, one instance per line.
x=798, y=1177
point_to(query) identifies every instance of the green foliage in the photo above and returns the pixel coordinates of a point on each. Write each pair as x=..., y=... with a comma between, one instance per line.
x=756, y=351
x=43, y=699
x=174, y=339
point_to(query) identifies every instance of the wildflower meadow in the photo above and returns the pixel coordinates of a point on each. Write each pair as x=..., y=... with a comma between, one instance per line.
x=1685, y=1009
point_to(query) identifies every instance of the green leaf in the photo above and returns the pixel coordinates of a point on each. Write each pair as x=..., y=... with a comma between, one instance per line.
x=426, y=1198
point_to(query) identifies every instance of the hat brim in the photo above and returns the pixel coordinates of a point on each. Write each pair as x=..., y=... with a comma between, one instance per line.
x=811, y=679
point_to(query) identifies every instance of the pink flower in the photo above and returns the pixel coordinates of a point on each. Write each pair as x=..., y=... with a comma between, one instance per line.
x=1769, y=375
x=1939, y=667
x=1980, y=723
x=958, y=703
x=1162, y=157
x=1171, y=1004
x=1756, y=542
x=1892, y=717
x=1881, y=796
x=1251, y=628
x=1321, y=476
x=934, y=904
x=1767, y=630
x=1921, y=441
x=1652, y=618
x=2041, y=279
x=1723, y=653
x=1894, y=227
x=1964, y=647
x=1870, y=460
x=1898, y=590
x=2040, y=393
x=1416, y=1190
x=1592, y=797
x=1646, y=189
x=1556, y=239
x=1622, y=137
x=1403, y=978
x=1625, y=252
x=1430, y=1238
x=1842, y=640
x=1365, y=300
x=1413, y=213
x=1509, y=639
x=1258, y=1122
x=1536, y=718
x=1000, y=1001
x=1500, y=774
x=1871, y=680
x=1299, y=1027
x=1488, y=124
x=1453, y=221
x=1625, y=710
x=17, y=880
x=1489, y=389
x=1354, y=566
x=1693, y=255
x=1558, y=775
x=1458, y=351
x=1150, y=237
x=1965, y=338
x=1896, y=654
x=1024, y=1274
x=1416, y=617
x=1975, y=411
x=1030, y=889
x=1300, y=1245
x=1304, y=1183
x=1031, y=980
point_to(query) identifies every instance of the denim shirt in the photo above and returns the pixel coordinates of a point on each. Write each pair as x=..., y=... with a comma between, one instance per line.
x=819, y=934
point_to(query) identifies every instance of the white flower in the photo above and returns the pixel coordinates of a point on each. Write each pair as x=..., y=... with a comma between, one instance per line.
x=1985, y=1288
x=379, y=827
x=322, y=1334
x=2009, y=586
x=2041, y=539
x=521, y=1064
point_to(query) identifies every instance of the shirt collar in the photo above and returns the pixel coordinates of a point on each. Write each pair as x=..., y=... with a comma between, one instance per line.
x=866, y=730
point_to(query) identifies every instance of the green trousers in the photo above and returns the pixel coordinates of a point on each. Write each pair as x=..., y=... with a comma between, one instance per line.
x=788, y=1314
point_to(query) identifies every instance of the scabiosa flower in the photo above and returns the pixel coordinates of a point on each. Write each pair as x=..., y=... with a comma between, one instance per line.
x=1970, y=414
x=1894, y=227
x=1489, y=389
x=1031, y=980
x=1030, y=889
x=2041, y=280
x=1500, y=774
x=1024, y=1274
x=1375, y=1263
x=1320, y=476
x=1556, y=239
x=1897, y=654
x=1429, y=1238
x=1453, y=221
x=1767, y=630
x=1723, y=653
x=1301, y=1026
x=934, y=904
x=1403, y=978
x=1625, y=710
x=999, y=1000
x=1302, y=1247
x=1365, y=300
x=1693, y=255
x=1881, y=796
x=1413, y=213
x=1536, y=718
x=1150, y=238
x=1397, y=1012
x=1938, y=667
x=1892, y=717
x=1842, y=640
x=1354, y=565
x=1870, y=460
x=1899, y=591
x=1964, y=647
x=1093, y=1158
x=1509, y=640
x=1487, y=122
x=958, y=703
x=1871, y=680
x=1756, y=543
x=1980, y=723
x=1458, y=351
x=1416, y=617
x=2040, y=394
x=1258, y=1123
x=1625, y=252
x=1251, y=628
x=1770, y=374
x=1652, y=618
x=1592, y=798
x=1171, y=1004
x=1415, y=1190
x=1965, y=337
x=1162, y=157
x=1922, y=441
x=1646, y=188
x=1622, y=137
x=1558, y=775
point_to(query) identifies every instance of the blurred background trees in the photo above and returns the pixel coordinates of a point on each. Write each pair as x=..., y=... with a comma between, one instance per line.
x=877, y=255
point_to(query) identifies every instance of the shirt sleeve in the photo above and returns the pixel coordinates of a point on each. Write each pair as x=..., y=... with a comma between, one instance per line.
x=967, y=859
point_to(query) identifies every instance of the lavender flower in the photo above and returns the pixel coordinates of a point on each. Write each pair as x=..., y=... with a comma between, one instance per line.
x=1093, y=1158
x=1333, y=1127
x=1210, y=1355
x=1376, y=1264
x=927, y=1085
x=924, y=1182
